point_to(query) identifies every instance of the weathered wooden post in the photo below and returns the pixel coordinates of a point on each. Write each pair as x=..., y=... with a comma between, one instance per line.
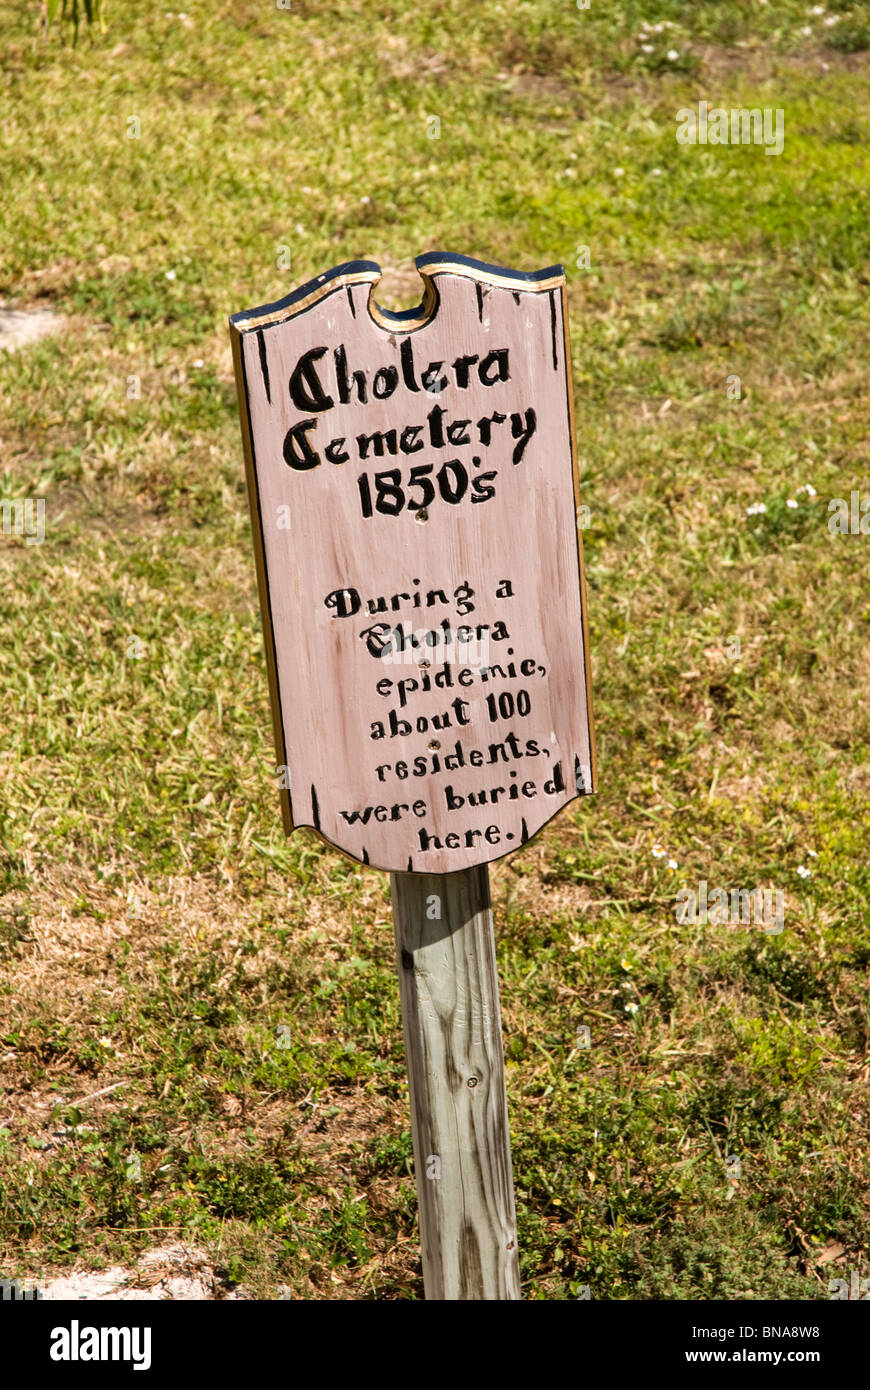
x=462, y=1154
x=413, y=488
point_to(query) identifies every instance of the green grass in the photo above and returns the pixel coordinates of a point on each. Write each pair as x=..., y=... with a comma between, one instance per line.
x=155, y=927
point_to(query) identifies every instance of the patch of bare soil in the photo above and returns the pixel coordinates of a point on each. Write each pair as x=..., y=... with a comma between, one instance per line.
x=180, y=1272
x=21, y=327
x=757, y=63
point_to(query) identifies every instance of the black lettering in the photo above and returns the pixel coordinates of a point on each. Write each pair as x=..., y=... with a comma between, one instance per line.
x=344, y=602
x=389, y=379
x=481, y=487
x=522, y=434
x=459, y=707
x=485, y=424
x=556, y=783
x=461, y=366
x=380, y=441
x=436, y=431
x=407, y=355
x=498, y=357
x=306, y=390
x=455, y=760
x=345, y=384
x=377, y=639
x=335, y=451
x=298, y=453
x=407, y=442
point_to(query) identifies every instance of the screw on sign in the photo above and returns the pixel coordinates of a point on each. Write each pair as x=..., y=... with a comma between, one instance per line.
x=413, y=487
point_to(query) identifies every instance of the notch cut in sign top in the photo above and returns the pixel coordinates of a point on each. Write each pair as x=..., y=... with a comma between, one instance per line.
x=414, y=495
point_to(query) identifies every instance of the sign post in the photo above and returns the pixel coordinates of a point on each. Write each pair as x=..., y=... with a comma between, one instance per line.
x=413, y=487
x=448, y=982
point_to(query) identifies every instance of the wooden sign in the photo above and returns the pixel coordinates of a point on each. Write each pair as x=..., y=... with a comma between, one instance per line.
x=413, y=490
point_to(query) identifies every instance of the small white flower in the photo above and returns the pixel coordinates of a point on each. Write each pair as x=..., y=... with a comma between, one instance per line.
x=790, y=502
x=619, y=173
x=673, y=55
x=807, y=31
x=655, y=173
x=804, y=872
x=756, y=509
x=812, y=854
x=170, y=274
x=631, y=1008
x=658, y=852
x=831, y=20
x=808, y=489
x=817, y=9
x=365, y=198
x=672, y=864
x=199, y=362
x=647, y=48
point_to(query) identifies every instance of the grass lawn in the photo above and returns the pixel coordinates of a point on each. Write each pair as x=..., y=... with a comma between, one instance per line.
x=158, y=935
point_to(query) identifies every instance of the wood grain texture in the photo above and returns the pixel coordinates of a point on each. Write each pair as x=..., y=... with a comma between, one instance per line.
x=445, y=951
x=406, y=756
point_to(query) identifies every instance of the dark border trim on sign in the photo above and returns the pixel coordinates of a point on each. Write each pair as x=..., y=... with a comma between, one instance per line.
x=429, y=265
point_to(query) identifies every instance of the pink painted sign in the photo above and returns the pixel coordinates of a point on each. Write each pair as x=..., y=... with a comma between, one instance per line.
x=413, y=490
